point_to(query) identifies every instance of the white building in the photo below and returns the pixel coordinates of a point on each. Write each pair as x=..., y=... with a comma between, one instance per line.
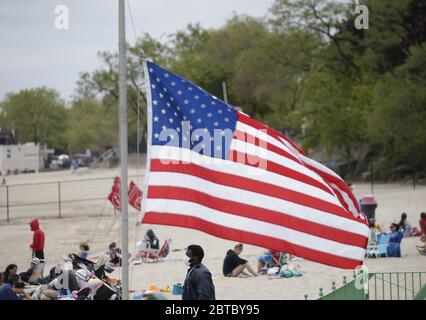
x=25, y=157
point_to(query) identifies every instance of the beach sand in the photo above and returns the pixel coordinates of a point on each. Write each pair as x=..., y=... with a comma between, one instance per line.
x=95, y=221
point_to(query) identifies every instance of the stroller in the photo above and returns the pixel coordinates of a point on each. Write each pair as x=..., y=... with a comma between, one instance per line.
x=105, y=290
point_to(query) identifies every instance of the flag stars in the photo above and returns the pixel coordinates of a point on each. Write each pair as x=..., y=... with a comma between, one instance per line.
x=173, y=83
x=156, y=119
x=192, y=110
x=155, y=102
x=216, y=124
x=196, y=97
x=166, y=75
x=199, y=120
x=163, y=111
x=156, y=135
x=209, y=114
x=153, y=86
x=203, y=106
x=220, y=111
x=171, y=120
x=185, y=101
x=226, y=119
x=179, y=92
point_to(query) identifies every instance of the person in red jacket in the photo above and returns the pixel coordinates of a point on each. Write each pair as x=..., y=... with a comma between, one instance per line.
x=38, y=240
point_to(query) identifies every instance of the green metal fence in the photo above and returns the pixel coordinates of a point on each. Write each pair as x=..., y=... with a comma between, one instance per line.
x=378, y=286
x=396, y=285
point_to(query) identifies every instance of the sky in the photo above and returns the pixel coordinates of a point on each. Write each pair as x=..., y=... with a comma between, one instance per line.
x=34, y=53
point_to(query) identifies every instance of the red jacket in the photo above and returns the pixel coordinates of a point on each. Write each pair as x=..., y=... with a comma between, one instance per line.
x=38, y=237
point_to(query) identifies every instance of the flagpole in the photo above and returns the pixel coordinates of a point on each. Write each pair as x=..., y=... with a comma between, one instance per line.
x=123, y=150
x=225, y=93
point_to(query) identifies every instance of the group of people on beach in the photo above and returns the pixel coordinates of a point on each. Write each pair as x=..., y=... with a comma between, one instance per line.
x=398, y=231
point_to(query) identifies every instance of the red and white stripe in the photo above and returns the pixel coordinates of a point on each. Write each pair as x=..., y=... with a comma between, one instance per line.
x=268, y=193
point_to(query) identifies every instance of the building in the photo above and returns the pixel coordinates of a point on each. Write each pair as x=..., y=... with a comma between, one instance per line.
x=20, y=158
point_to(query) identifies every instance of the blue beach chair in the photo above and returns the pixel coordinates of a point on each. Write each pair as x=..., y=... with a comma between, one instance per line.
x=380, y=249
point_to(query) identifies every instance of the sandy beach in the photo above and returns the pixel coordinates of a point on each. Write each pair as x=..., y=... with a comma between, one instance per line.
x=95, y=222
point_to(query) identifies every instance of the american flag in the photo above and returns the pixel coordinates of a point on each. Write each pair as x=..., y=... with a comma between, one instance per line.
x=215, y=169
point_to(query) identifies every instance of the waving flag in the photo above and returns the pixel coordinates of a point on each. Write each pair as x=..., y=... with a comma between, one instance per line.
x=114, y=197
x=135, y=196
x=215, y=169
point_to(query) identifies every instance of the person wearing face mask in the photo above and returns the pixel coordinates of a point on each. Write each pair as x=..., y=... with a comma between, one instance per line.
x=198, y=283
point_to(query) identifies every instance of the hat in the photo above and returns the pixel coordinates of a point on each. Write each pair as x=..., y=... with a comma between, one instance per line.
x=35, y=260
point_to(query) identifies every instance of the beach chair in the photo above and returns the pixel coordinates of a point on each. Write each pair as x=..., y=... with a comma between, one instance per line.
x=381, y=248
x=394, y=248
x=165, y=249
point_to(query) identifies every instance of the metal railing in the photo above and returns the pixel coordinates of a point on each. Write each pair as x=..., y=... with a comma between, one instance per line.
x=378, y=286
x=54, y=198
x=395, y=285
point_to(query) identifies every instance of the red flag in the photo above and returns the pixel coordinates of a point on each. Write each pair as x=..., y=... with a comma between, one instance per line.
x=135, y=196
x=115, y=197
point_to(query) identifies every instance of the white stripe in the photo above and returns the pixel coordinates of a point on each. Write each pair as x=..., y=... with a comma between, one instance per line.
x=284, y=145
x=174, y=179
x=258, y=227
x=347, y=200
x=297, y=185
x=263, y=135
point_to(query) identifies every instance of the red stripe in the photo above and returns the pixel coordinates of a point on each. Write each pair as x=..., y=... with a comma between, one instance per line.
x=260, y=126
x=277, y=135
x=249, y=238
x=337, y=181
x=239, y=182
x=253, y=212
x=254, y=161
x=248, y=138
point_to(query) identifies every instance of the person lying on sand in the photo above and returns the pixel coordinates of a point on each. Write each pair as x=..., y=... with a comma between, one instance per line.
x=233, y=265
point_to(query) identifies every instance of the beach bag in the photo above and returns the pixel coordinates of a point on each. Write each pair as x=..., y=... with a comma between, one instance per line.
x=284, y=273
x=296, y=273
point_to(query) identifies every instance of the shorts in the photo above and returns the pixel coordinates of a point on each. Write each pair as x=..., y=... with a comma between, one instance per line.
x=265, y=258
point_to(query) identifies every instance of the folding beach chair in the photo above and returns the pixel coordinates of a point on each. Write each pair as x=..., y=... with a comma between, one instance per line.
x=381, y=248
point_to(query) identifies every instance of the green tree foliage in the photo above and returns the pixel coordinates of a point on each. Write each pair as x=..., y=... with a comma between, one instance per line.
x=90, y=126
x=38, y=115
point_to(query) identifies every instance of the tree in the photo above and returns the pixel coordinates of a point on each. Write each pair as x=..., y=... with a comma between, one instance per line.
x=38, y=115
x=90, y=126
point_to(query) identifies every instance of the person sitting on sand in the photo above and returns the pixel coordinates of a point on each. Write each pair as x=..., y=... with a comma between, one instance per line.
x=405, y=226
x=233, y=265
x=270, y=256
x=84, y=250
x=147, y=248
x=26, y=275
x=114, y=254
x=14, y=291
x=9, y=275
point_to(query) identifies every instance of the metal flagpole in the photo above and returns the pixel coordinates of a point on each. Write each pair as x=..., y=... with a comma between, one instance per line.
x=123, y=149
x=225, y=93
